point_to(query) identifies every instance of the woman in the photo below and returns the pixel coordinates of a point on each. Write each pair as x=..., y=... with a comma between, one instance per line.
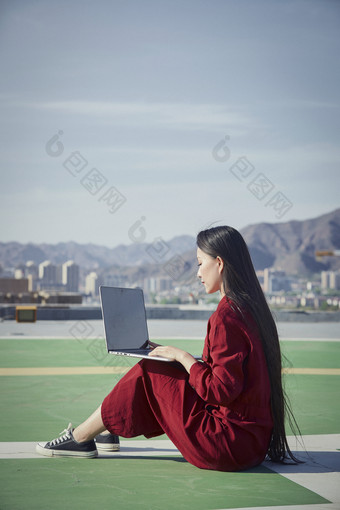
x=225, y=413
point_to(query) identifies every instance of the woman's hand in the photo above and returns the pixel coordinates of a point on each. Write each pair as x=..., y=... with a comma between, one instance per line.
x=174, y=354
x=166, y=351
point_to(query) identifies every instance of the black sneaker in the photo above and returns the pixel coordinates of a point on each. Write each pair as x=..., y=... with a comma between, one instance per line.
x=107, y=442
x=67, y=446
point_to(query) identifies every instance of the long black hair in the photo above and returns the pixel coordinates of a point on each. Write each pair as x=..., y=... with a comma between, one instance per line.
x=241, y=286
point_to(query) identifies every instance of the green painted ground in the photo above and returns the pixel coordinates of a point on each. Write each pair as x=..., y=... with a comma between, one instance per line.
x=38, y=407
x=53, y=353
x=48, y=402
x=311, y=354
x=141, y=483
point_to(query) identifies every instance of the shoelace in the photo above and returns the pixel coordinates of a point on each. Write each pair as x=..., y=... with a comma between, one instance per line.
x=66, y=435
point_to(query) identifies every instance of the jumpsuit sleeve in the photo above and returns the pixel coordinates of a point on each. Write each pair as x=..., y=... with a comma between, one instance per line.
x=220, y=380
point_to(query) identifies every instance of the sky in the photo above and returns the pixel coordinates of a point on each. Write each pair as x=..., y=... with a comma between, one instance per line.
x=128, y=121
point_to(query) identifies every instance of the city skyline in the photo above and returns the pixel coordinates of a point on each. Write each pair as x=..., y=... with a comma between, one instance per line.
x=166, y=117
x=46, y=284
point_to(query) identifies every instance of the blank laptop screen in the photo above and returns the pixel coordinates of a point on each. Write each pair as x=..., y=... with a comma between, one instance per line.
x=124, y=318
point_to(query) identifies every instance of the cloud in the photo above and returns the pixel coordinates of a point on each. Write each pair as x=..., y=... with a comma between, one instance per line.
x=168, y=115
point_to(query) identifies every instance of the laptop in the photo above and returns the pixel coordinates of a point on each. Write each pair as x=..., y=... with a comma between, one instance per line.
x=125, y=325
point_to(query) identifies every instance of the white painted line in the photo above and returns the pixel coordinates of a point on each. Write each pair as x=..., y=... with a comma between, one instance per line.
x=309, y=339
x=128, y=448
x=326, y=506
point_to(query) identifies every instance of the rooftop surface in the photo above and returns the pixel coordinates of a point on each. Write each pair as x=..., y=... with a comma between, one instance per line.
x=48, y=382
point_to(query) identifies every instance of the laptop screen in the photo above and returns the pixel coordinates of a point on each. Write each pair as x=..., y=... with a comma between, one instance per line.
x=124, y=318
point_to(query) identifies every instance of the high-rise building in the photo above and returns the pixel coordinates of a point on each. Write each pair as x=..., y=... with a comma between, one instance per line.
x=330, y=280
x=158, y=284
x=266, y=274
x=275, y=280
x=92, y=284
x=334, y=280
x=48, y=272
x=32, y=273
x=32, y=269
x=325, y=279
x=70, y=276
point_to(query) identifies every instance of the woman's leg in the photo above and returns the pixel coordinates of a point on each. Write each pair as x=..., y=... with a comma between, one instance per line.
x=90, y=427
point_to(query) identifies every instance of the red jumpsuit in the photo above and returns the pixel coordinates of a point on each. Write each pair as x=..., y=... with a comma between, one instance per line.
x=219, y=416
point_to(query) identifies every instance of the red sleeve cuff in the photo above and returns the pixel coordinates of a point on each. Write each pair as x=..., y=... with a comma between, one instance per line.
x=195, y=371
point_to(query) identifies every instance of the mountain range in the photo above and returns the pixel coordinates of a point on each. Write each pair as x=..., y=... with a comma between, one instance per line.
x=289, y=246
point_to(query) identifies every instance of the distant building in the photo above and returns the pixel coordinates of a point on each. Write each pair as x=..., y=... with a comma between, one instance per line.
x=13, y=285
x=115, y=280
x=334, y=280
x=48, y=273
x=18, y=273
x=330, y=280
x=311, y=286
x=70, y=276
x=32, y=269
x=158, y=284
x=275, y=281
x=32, y=273
x=66, y=298
x=92, y=284
x=325, y=279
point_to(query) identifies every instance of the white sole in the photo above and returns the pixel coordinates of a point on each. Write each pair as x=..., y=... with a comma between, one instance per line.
x=108, y=448
x=40, y=448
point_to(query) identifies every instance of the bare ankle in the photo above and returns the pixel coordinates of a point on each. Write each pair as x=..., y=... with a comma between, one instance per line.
x=90, y=427
x=78, y=436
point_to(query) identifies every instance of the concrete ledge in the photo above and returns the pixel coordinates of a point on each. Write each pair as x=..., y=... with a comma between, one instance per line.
x=170, y=312
x=302, y=316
